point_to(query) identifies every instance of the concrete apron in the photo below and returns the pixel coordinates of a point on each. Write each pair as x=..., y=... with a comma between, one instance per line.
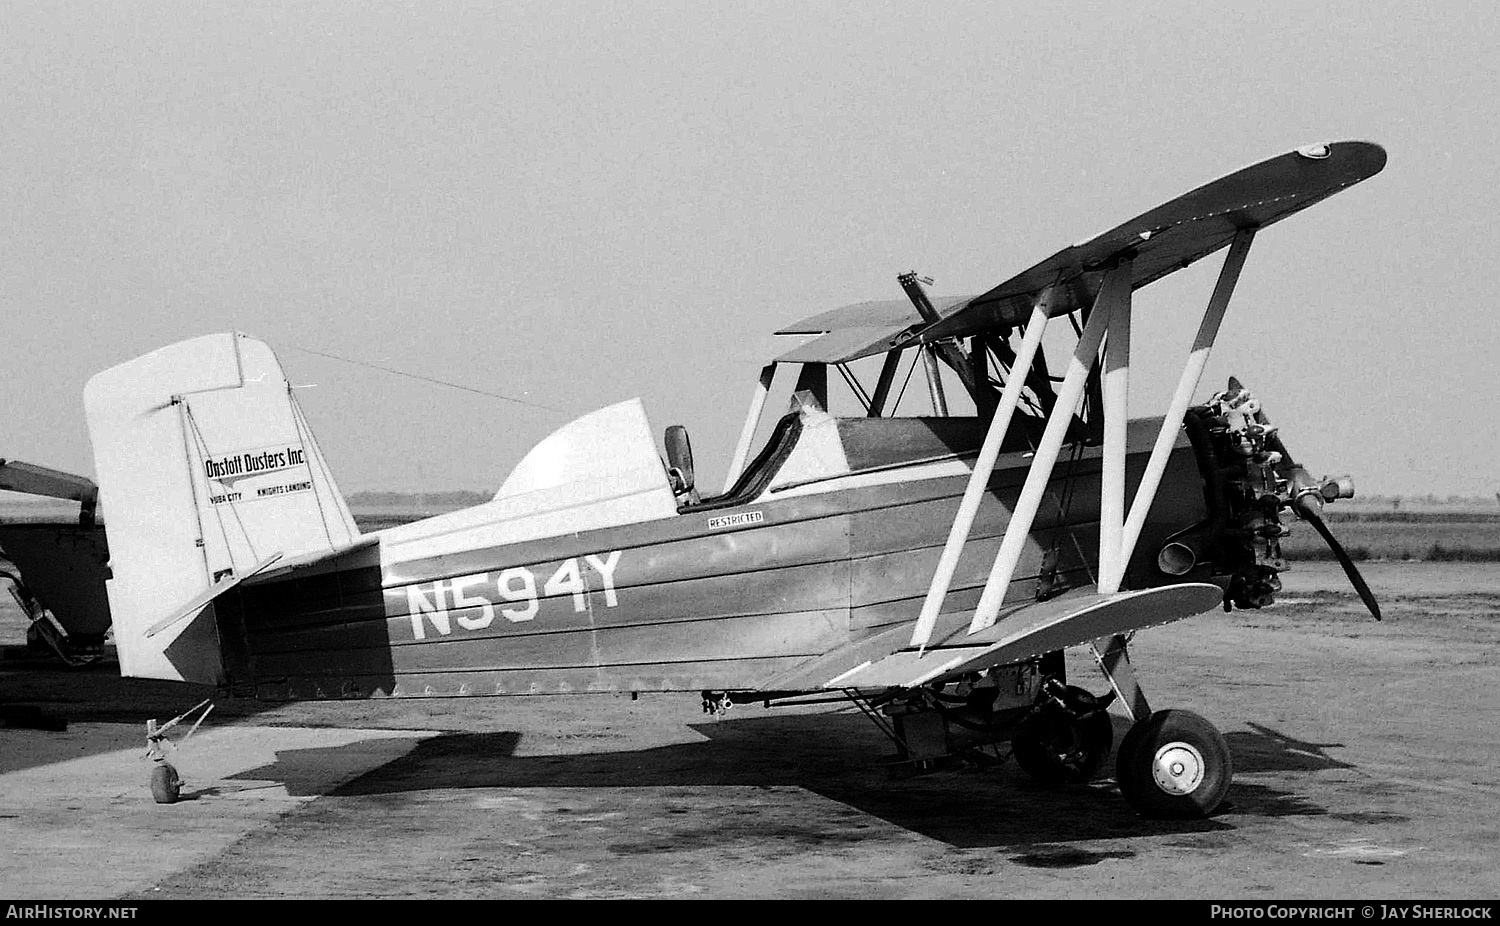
x=77, y=816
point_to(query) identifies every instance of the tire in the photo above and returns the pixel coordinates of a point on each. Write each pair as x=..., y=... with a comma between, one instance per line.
x=1174, y=765
x=166, y=787
x=1057, y=749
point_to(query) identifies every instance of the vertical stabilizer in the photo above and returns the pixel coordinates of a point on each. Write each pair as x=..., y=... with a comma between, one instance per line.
x=207, y=469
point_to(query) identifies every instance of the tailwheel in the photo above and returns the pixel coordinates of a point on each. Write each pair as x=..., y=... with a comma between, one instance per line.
x=166, y=785
x=1174, y=765
x=1067, y=741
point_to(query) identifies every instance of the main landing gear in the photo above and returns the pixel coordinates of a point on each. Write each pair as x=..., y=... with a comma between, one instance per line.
x=1067, y=738
x=44, y=632
x=1172, y=764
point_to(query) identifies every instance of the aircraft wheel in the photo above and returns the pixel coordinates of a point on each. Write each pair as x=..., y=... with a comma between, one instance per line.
x=166, y=786
x=1174, y=765
x=1056, y=748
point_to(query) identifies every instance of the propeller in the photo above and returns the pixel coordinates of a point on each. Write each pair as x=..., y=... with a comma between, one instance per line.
x=1313, y=514
x=1304, y=494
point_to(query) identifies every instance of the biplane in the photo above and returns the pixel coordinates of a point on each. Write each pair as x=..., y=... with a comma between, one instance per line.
x=931, y=569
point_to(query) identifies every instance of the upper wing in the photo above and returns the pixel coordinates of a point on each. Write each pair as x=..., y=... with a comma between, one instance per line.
x=845, y=344
x=885, y=661
x=1173, y=235
x=1163, y=240
x=860, y=330
x=890, y=313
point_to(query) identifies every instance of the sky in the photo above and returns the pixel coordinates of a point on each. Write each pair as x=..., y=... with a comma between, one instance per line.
x=576, y=203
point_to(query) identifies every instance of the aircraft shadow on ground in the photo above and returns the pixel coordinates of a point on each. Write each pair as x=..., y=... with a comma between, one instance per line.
x=835, y=756
x=41, y=694
x=1267, y=750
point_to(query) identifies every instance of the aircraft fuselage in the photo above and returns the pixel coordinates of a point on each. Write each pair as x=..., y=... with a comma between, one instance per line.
x=725, y=598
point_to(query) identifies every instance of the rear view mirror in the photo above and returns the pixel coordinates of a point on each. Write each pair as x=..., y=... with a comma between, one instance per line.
x=680, y=459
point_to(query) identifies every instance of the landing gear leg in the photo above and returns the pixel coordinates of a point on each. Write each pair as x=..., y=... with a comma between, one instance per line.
x=44, y=632
x=1172, y=764
x=1114, y=662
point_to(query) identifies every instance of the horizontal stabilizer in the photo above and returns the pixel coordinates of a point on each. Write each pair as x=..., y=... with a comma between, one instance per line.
x=198, y=602
x=1028, y=631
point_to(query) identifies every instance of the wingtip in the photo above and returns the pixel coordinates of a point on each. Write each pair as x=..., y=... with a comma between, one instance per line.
x=1359, y=159
x=1369, y=157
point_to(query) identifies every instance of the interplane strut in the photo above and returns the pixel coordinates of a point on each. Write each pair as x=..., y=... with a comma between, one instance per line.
x=1108, y=326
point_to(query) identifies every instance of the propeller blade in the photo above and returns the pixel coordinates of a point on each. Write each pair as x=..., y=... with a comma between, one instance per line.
x=1311, y=514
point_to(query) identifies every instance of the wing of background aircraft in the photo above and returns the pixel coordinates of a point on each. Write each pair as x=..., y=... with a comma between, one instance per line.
x=31, y=479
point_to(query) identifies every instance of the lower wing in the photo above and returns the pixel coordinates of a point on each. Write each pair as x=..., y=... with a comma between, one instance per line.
x=884, y=661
